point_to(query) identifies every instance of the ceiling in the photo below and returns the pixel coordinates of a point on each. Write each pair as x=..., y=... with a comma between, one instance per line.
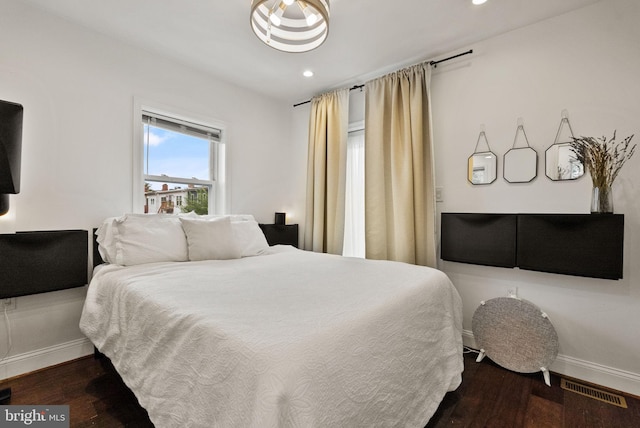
x=367, y=38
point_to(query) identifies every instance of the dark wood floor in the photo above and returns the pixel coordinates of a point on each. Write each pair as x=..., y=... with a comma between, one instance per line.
x=96, y=395
x=491, y=396
x=488, y=397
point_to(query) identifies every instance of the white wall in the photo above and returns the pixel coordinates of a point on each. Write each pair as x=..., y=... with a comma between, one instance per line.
x=586, y=62
x=77, y=88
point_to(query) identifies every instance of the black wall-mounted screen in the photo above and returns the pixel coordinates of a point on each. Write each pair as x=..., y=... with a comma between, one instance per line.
x=482, y=239
x=39, y=262
x=578, y=244
x=10, y=146
x=10, y=151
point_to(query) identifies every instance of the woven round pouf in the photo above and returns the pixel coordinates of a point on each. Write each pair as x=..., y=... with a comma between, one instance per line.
x=515, y=334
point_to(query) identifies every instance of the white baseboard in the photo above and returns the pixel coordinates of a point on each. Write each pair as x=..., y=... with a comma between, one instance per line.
x=587, y=371
x=46, y=357
x=468, y=339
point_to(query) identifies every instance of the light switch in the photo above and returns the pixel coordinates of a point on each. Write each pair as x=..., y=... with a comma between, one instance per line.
x=439, y=194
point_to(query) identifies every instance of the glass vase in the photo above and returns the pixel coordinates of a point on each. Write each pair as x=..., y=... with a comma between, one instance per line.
x=601, y=200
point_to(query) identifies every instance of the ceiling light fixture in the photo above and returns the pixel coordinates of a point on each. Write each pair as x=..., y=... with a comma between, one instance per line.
x=307, y=73
x=291, y=25
x=478, y=2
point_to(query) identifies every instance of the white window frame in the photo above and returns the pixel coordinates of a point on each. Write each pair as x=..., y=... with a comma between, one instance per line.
x=219, y=195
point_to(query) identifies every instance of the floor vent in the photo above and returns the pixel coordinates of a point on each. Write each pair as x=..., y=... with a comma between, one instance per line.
x=597, y=394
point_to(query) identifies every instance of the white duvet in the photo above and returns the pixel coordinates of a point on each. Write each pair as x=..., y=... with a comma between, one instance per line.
x=287, y=339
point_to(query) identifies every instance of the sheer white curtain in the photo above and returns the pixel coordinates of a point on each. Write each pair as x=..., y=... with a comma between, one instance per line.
x=354, y=234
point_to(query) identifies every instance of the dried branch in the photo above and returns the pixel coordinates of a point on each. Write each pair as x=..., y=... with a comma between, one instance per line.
x=603, y=158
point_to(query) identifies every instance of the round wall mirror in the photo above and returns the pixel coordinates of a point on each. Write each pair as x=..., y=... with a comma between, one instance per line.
x=561, y=163
x=482, y=168
x=520, y=165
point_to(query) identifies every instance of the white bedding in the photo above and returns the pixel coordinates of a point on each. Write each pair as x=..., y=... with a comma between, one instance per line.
x=287, y=339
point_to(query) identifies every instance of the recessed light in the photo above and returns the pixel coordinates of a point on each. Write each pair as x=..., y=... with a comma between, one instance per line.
x=307, y=73
x=478, y=2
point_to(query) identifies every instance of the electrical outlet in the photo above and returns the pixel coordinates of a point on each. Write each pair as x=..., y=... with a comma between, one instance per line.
x=512, y=292
x=8, y=304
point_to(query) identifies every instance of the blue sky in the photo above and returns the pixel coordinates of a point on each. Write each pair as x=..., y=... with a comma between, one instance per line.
x=175, y=154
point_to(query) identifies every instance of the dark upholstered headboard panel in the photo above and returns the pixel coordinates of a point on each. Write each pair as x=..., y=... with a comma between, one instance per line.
x=483, y=239
x=570, y=244
x=40, y=262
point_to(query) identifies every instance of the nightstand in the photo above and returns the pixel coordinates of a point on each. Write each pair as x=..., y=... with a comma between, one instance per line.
x=286, y=234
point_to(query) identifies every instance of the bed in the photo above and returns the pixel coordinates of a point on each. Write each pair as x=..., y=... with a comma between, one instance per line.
x=259, y=336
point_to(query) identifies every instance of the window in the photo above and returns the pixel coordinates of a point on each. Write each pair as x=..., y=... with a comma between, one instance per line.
x=354, y=232
x=181, y=164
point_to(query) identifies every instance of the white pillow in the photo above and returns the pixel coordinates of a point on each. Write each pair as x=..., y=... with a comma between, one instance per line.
x=148, y=239
x=249, y=237
x=233, y=217
x=106, y=233
x=210, y=239
x=105, y=237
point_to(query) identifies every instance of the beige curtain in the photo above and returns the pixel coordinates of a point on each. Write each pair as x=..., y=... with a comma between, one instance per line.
x=399, y=172
x=326, y=172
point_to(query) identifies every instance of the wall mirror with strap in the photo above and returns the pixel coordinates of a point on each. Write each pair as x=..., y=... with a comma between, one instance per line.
x=482, y=165
x=561, y=163
x=520, y=163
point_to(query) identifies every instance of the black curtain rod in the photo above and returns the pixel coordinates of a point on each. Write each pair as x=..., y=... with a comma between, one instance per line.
x=433, y=63
x=351, y=89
